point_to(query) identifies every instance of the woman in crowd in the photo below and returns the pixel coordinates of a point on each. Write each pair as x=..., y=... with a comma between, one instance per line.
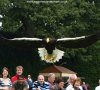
x=59, y=84
x=5, y=82
x=78, y=84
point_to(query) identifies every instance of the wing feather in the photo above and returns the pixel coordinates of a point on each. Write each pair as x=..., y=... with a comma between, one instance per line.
x=78, y=42
x=66, y=39
x=21, y=42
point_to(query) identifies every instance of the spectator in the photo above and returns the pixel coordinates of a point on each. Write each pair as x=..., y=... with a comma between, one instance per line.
x=77, y=84
x=30, y=82
x=84, y=86
x=19, y=71
x=20, y=84
x=5, y=82
x=40, y=84
x=59, y=84
x=98, y=87
x=70, y=82
x=51, y=79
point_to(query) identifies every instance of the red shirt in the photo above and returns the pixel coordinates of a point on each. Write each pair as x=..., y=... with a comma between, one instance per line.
x=14, y=78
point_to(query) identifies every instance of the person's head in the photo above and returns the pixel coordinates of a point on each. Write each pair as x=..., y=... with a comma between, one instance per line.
x=77, y=82
x=5, y=72
x=41, y=79
x=21, y=79
x=99, y=82
x=51, y=77
x=29, y=76
x=83, y=83
x=72, y=78
x=19, y=70
x=60, y=83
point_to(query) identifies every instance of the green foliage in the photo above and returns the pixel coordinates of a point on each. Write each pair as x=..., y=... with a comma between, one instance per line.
x=73, y=17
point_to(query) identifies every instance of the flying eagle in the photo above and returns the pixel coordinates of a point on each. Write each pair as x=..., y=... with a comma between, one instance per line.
x=47, y=47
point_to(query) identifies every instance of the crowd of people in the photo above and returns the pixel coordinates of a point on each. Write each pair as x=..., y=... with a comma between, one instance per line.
x=19, y=82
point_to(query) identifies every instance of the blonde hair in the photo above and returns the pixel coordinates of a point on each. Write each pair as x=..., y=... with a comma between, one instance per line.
x=19, y=67
x=51, y=74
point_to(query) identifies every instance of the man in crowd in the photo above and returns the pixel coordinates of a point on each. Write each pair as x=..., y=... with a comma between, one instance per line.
x=29, y=81
x=98, y=87
x=19, y=71
x=20, y=84
x=71, y=80
x=51, y=79
x=40, y=84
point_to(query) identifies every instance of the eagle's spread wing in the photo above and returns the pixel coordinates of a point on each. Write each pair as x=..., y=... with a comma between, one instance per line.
x=49, y=52
x=78, y=42
x=21, y=42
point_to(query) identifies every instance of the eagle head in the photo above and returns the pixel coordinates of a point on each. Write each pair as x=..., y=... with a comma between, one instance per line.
x=47, y=40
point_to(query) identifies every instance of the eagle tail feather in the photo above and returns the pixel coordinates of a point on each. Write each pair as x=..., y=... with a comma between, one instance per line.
x=50, y=58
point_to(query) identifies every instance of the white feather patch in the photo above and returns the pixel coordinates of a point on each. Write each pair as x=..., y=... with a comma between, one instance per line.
x=28, y=39
x=66, y=39
x=50, y=58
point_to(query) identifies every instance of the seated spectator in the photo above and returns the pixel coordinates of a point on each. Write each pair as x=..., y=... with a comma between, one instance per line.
x=40, y=84
x=5, y=82
x=20, y=84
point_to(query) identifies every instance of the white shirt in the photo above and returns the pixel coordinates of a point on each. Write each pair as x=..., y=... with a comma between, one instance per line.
x=5, y=83
x=69, y=87
x=80, y=87
x=97, y=88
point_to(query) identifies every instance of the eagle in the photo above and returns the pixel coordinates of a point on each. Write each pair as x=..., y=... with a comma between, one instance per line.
x=47, y=47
